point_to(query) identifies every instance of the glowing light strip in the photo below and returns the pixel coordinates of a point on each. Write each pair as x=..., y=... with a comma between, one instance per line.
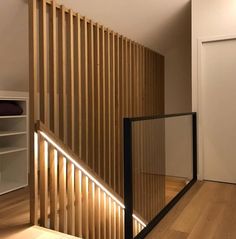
x=67, y=156
x=88, y=175
x=139, y=220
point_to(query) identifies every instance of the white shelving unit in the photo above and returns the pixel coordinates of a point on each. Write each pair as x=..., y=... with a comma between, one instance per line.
x=14, y=144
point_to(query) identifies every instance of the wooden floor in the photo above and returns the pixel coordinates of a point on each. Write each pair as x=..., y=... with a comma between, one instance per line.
x=14, y=212
x=14, y=219
x=207, y=211
x=173, y=186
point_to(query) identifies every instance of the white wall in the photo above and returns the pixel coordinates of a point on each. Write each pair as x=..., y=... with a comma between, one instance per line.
x=210, y=18
x=14, y=45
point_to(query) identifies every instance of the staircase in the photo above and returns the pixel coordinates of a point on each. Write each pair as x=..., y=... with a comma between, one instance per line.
x=71, y=198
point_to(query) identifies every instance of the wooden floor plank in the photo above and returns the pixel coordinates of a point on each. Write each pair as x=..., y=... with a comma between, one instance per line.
x=207, y=211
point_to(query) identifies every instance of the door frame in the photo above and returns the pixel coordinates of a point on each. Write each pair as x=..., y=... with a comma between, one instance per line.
x=200, y=49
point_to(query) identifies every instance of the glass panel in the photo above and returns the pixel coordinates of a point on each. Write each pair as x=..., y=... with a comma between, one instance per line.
x=161, y=162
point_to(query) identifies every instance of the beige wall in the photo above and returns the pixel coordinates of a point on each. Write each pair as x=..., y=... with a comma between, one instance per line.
x=14, y=45
x=178, y=78
x=178, y=100
x=210, y=18
x=178, y=144
x=169, y=36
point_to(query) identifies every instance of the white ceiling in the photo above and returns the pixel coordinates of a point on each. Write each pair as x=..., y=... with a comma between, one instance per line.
x=157, y=24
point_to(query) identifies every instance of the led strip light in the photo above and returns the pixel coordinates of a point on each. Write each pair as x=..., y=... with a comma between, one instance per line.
x=67, y=156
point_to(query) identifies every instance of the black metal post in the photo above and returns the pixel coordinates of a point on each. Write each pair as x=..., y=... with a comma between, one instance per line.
x=128, y=191
x=128, y=187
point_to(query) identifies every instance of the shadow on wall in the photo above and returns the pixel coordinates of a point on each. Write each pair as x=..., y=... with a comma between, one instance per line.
x=175, y=31
x=14, y=45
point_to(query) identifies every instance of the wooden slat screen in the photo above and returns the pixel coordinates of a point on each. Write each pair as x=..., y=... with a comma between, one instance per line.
x=89, y=78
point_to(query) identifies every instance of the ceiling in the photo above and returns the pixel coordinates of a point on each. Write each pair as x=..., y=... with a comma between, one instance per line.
x=157, y=24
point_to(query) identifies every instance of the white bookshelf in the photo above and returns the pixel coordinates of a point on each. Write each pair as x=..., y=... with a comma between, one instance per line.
x=14, y=144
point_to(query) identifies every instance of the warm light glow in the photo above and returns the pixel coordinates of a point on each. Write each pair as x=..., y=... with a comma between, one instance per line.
x=88, y=175
x=55, y=159
x=80, y=181
x=114, y=206
x=73, y=173
x=93, y=191
x=81, y=168
x=86, y=185
x=139, y=220
x=46, y=154
x=36, y=147
x=99, y=197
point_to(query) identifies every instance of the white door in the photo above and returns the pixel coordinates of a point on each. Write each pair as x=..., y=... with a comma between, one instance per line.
x=218, y=110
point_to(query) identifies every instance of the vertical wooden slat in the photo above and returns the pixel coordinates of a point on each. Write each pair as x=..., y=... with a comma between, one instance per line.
x=98, y=95
x=122, y=109
x=103, y=215
x=62, y=194
x=117, y=114
x=53, y=69
x=103, y=103
x=108, y=107
x=110, y=218
x=43, y=162
x=53, y=187
x=77, y=105
x=130, y=88
x=71, y=199
x=122, y=224
x=33, y=100
x=85, y=208
x=91, y=96
x=98, y=207
x=153, y=80
x=62, y=76
x=118, y=221
x=91, y=215
x=85, y=137
x=137, y=81
x=154, y=84
x=126, y=78
x=113, y=109
x=43, y=62
x=78, y=203
x=114, y=221
x=108, y=224
x=71, y=85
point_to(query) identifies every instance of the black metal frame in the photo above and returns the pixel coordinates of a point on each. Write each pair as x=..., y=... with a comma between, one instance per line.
x=128, y=191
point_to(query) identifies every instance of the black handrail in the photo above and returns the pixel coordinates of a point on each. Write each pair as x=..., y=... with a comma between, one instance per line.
x=128, y=190
x=142, y=118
